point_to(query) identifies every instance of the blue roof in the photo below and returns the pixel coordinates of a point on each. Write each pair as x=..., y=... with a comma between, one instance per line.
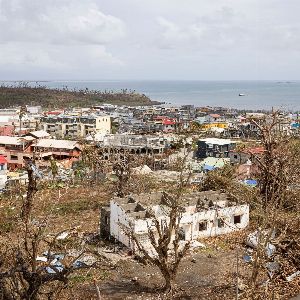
x=251, y=182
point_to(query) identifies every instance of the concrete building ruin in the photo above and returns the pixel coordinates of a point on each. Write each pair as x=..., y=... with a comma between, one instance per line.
x=205, y=214
x=114, y=145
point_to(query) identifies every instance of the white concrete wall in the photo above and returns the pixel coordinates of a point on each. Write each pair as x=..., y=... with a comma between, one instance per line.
x=103, y=124
x=3, y=180
x=190, y=221
x=119, y=220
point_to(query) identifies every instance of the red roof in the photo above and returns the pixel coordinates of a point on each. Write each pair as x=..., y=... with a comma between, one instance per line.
x=215, y=116
x=7, y=130
x=3, y=160
x=56, y=113
x=257, y=150
x=169, y=122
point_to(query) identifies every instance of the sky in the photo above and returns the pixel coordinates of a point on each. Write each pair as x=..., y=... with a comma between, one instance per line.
x=149, y=40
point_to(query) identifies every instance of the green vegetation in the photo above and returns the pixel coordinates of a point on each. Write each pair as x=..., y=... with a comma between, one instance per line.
x=8, y=216
x=81, y=278
x=60, y=98
x=76, y=206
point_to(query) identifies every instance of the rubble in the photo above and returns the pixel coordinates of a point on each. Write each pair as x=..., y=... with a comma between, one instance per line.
x=41, y=258
x=253, y=239
x=62, y=236
x=272, y=268
x=196, y=244
x=86, y=260
x=55, y=266
x=241, y=285
x=293, y=276
x=142, y=170
x=247, y=258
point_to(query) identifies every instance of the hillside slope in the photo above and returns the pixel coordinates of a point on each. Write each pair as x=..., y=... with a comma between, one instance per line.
x=56, y=98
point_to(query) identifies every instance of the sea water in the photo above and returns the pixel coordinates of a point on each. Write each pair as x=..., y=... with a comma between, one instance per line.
x=257, y=94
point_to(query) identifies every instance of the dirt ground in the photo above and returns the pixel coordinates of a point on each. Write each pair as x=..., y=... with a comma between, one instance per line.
x=208, y=273
x=199, y=277
x=202, y=275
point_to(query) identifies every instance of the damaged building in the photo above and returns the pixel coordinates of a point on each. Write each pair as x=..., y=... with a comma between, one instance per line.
x=213, y=147
x=112, y=146
x=17, y=150
x=205, y=214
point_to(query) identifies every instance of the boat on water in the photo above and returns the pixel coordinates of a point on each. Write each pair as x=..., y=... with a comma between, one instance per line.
x=242, y=95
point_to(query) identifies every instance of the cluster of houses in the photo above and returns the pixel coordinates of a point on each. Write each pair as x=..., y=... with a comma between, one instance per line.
x=151, y=131
x=36, y=145
x=105, y=119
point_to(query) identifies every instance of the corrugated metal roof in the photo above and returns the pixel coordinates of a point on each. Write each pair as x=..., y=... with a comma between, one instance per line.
x=57, y=144
x=40, y=133
x=10, y=140
x=216, y=141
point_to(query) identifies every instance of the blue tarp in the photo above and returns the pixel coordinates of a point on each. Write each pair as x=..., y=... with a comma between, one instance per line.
x=251, y=182
x=208, y=168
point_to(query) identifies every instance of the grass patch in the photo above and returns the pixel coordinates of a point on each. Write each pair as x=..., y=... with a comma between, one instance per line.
x=77, y=279
x=83, y=278
x=75, y=207
x=8, y=217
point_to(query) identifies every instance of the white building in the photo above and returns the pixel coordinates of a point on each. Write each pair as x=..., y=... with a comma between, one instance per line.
x=205, y=214
x=34, y=110
x=76, y=126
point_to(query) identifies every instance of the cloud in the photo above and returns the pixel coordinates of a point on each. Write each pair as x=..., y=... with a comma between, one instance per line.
x=57, y=22
x=57, y=36
x=280, y=38
x=56, y=57
x=229, y=29
x=168, y=39
x=219, y=30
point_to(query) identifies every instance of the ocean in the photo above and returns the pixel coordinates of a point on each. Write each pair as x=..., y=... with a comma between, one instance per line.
x=258, y=94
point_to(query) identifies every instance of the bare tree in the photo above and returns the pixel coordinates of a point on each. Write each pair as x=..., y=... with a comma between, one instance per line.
x=165, y=234
x=274, y=204
x=31, y=190
x=122, y=170
x=24, y=273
